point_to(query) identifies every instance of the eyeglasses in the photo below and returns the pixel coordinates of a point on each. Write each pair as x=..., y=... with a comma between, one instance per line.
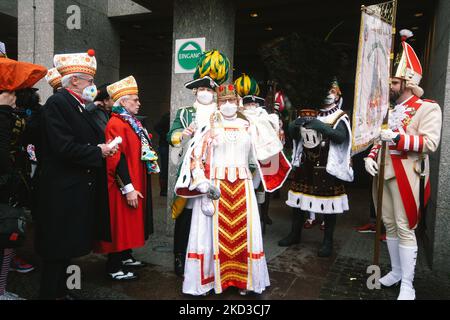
x=91, y=81
x=136, y=100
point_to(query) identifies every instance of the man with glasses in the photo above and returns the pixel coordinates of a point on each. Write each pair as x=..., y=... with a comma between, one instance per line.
x=73, y=195
x=127, y=182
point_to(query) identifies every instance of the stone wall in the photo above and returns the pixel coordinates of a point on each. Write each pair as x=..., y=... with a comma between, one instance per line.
x=43, y=32
x=438, y=88
x=36, y=36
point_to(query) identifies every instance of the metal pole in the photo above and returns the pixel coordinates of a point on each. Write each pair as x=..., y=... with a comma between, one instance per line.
x=380, y=182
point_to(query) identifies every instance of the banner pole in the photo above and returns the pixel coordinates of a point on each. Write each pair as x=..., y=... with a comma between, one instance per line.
x=380, y=182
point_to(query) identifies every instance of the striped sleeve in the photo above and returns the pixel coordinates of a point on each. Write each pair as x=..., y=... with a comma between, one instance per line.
x=374, y=151
x=410, y=143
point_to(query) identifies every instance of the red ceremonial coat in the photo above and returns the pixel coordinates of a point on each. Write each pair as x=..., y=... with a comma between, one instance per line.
x=420, y=133
x=127, y=223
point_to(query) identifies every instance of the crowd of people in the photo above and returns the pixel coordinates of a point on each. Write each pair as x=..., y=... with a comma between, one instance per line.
x=91, y=156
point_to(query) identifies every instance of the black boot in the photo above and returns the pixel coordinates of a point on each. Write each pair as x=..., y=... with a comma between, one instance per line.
x=179, y=264
x=298, y=219
x=327, y=246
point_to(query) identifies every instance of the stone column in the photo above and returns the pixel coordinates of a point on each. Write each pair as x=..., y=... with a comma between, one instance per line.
x=214, y=20
x=43, y=32
x=438, y=88
x=36, y=36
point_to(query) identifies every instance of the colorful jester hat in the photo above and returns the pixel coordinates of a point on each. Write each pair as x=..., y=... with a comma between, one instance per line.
x=213, y=64
x=246, y=86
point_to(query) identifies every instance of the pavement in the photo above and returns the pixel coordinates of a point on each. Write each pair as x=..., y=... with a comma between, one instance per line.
x=296, y=273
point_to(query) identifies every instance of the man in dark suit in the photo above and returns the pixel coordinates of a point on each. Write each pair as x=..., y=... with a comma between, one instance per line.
x=73, y=196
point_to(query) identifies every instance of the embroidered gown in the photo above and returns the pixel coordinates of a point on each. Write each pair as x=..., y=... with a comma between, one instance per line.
x=226, y=249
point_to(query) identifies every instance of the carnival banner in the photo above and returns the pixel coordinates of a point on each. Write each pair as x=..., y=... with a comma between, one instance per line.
x=372, y=78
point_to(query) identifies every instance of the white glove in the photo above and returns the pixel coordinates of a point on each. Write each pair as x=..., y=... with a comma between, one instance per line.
x=371, y=166
x=203, y=187
x=388, y=135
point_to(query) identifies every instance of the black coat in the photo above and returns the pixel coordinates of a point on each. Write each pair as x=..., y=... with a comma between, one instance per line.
x=6, y=120
x=100, y=116
x=73, y=207
x=6, y=124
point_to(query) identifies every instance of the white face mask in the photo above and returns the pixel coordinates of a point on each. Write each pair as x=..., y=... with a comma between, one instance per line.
x=330, y=99
x=229, y=109
x=89, y=93
x=205, y=97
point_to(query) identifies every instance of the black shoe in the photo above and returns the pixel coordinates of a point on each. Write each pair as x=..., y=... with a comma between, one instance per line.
x=179, y=264
x=122, y=275
x=133, y=263
x=298, y=219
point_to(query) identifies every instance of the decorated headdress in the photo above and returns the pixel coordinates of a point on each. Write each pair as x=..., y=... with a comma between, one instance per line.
x=205, y=82
x=76, y=63
x=226, y=91
x=213, y=64
x=255, y=99
x=408, y=65
x=124, y=87
x=53, y=78
x=246, y=85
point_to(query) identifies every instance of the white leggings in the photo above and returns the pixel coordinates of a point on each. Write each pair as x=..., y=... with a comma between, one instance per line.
x=394, y=215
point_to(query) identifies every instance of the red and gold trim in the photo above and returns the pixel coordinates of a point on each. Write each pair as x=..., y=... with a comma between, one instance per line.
x=124, y=87
x=125, y=92
x=201, y=257
x=232, y=234
x=64, y=71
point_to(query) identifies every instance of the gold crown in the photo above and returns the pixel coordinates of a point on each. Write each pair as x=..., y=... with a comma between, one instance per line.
x=226, y=91
x=124, y=87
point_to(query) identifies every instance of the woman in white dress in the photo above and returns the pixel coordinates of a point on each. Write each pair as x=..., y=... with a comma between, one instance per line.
x=225, y=244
